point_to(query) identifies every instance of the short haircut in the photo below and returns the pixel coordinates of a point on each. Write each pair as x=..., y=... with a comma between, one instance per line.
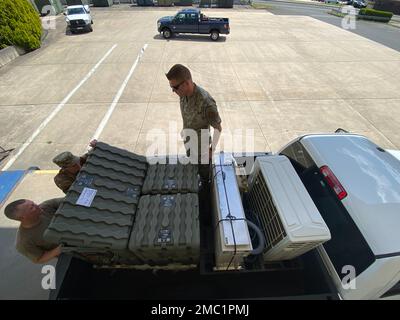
x=179, y=72
x=11, y=209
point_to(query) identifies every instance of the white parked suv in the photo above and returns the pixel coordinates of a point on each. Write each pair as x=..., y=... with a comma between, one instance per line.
x=78, y=18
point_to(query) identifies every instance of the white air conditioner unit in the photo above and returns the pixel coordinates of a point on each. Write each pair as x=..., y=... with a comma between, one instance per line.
x=232, y=238
x=290, y=221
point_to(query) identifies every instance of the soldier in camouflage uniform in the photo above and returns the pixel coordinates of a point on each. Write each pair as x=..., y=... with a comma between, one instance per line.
x=199, y=112
x=70, y=166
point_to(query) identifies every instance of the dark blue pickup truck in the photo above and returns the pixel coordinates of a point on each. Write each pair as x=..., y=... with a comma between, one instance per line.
x=192, y=21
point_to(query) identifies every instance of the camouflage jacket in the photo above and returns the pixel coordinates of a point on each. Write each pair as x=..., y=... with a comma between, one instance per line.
x=199, y=111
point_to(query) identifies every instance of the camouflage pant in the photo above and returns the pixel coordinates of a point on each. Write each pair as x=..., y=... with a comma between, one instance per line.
x=202, y=159
x=204, y=172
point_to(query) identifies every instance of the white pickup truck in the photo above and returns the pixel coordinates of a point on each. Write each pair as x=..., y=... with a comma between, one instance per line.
x=324, y=210
x=355, y=185
x=78, y=18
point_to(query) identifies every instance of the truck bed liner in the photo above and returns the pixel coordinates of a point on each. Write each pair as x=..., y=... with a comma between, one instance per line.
x=79, y=280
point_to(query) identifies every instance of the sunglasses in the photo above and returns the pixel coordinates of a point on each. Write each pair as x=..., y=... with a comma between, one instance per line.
x=177, y=86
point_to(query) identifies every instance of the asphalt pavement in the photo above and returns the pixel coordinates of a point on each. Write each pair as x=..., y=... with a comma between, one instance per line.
x=382, y=33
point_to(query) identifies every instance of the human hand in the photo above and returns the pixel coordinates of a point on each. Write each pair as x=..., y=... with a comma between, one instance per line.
x=93, y=143
x=57, y=251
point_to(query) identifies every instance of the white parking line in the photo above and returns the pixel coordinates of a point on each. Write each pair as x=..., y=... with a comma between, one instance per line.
x=55, y=111
x=107, y=116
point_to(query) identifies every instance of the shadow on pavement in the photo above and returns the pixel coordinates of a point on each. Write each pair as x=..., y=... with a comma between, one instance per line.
x=20, y=278
x=185, y=37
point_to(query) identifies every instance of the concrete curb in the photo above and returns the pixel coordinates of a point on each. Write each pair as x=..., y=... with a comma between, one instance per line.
x=296, y=2
x=394, y=24
x=395, y=21
x=336, y=13
x=339, y=14
x=8, y=54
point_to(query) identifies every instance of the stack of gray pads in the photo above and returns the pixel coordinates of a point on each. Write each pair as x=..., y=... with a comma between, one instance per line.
x=123, y=211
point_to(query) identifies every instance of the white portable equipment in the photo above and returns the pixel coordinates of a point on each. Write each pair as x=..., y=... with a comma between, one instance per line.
x=232, y=238
x=291, y=223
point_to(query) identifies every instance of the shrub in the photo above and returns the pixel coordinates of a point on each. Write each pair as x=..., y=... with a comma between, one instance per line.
x=19, y=25
x=375, y=13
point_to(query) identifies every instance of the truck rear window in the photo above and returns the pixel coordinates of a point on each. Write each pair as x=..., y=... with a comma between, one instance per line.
x=347, y=245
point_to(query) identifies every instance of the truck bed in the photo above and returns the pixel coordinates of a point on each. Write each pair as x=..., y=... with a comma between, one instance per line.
x=303, y=278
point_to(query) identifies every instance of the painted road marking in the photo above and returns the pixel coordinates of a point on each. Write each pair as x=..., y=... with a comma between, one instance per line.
x=56, y=110
x=46, y=172
x=107, y=116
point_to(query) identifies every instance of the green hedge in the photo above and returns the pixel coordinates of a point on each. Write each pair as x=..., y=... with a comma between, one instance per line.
x=375, y=13
x=20, y=25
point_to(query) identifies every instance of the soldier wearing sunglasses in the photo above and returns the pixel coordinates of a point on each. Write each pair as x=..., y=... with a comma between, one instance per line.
x=199, y=112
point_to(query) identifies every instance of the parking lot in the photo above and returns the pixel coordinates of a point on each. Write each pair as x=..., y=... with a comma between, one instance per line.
x=274, y=78
x=280, y=76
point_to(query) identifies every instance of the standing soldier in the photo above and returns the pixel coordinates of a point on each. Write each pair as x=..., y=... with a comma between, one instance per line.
x=199, y=112
x=70, y=166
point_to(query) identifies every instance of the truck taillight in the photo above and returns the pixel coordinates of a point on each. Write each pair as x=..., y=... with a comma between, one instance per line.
x=225, y=26
x=333, y=182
